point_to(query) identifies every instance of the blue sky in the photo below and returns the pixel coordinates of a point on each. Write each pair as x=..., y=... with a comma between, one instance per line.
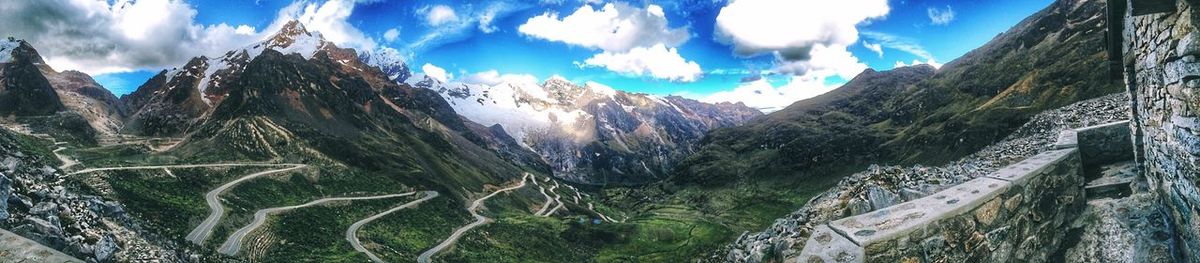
x=469, y=37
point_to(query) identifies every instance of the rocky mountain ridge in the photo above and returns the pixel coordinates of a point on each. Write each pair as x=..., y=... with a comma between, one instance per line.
x=172, y=101
x=68, y=103
x=591, y=133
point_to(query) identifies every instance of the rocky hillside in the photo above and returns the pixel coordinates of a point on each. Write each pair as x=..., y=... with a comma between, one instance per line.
x=43, y=207
x=592, y=134
x=301, y=98
x=68, y=103
x=883, y=186
x=833, y=132
x=1051, y=59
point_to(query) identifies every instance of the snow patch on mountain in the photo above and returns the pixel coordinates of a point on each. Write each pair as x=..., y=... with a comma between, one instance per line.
x=6, y=48
x=519, y=107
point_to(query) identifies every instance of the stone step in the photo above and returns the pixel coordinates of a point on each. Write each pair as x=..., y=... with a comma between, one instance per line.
x=1115, y=181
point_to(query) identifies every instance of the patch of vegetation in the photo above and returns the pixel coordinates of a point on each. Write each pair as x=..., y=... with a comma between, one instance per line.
x=401, y=236
x=523, y=238
x=169, y=205
x=315, y=234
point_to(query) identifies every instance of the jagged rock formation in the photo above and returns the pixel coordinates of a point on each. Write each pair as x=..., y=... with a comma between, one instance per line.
x=592, y=134
x=81, y=94
x=1161, y=45
x=23, y=89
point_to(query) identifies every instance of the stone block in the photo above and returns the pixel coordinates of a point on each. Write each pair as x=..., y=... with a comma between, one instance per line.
x=825, y=245
x=1025, y=169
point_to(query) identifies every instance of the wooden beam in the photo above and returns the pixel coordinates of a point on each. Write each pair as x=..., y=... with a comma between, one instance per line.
x=1114, y=38
x=1146, y=7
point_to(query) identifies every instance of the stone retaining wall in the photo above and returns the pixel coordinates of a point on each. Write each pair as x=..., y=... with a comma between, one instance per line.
x=1161, y=48
x=1015, y=214
x=1019, y=213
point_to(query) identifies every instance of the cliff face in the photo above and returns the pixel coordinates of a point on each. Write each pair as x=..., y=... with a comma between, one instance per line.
x=1161, y=71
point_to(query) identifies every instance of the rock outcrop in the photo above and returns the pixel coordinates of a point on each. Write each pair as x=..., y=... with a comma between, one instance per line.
x=40, y=206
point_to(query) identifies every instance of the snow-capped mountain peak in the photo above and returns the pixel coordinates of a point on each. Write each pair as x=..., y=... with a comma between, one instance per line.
x=215, y=73
x=389, y=60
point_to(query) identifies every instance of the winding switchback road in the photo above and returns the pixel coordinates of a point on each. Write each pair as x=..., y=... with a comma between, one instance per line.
x=557, y=199
x=203, y=230
x=479, y=220
x=352, y=232
x=548, y=202
x=67, y=162
x=183, y=166
x=234, y=242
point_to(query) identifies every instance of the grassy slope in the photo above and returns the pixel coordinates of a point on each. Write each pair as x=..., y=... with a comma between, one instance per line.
x=316, y=234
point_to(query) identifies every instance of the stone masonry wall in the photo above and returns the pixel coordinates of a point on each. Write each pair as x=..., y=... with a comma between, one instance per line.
x=1017, y=214
x=1162, y=74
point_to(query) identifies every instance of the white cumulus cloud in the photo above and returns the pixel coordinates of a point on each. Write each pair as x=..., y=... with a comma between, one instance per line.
x=632, y=40
x=436, y=72
x=875, y=47
x=824, y=63
x=940, y=16
x=615, y=28
x=657, y=61
x=493, y=78
x=391, y=34
x=790, y=28
x=930, y=62
x=439, y=15
x=761, y=95
x=99, y=37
